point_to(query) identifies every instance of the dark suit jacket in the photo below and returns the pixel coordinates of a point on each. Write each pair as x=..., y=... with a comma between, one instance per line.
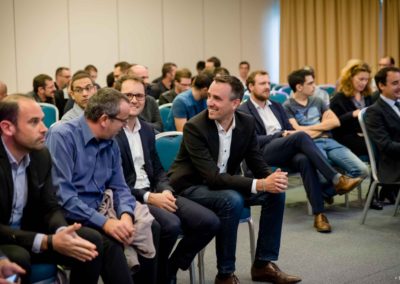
x=155, y=172
x=41, y=213
x=383, y=126
x=263, y=137
x=346, y=134
x=197, y=159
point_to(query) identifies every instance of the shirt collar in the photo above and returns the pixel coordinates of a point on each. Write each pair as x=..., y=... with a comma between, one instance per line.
x=136, y=128
x=221, y=129
x=257, y=106
x=24, y=162
x=88, y=134
x=388, y=101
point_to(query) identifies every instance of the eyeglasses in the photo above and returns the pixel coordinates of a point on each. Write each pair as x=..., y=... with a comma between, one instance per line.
x=124, y=121
x=139, y=97
x=80, y=91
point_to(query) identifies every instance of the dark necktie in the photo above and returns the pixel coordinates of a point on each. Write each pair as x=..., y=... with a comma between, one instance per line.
x=397, y=103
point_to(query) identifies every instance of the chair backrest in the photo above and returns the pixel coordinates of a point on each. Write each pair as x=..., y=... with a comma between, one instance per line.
x=50, y=114
x=278, y=96
x=371, y=147
x=167, y=147
x=329, y=88
x=286, y=89
x=246, y=96
x=278, y=87
x=164, y=112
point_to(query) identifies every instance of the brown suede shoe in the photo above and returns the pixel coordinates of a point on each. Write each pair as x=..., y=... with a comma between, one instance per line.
x=321, y=223
x=232, y=279
x=272, y=273
x=347, y=184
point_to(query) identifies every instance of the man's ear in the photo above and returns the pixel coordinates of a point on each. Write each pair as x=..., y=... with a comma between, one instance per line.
x=7, y=128
x=299, y=87
x=251, y=87
x=103, y=120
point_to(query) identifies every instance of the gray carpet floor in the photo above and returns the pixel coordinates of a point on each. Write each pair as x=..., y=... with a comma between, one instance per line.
x=352, y=253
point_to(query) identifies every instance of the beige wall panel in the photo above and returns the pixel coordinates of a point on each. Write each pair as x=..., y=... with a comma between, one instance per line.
x=94, y=35
x=222, y=32
x=8, y=72
x=41, y=29
x=140, y=30
x=183, y=32
x=259, y=30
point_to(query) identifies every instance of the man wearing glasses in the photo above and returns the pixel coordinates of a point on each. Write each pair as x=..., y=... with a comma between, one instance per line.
x=86, y=162
x=149, y=184
x=82, y=88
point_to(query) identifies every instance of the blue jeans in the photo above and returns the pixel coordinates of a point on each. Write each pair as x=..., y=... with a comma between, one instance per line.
x=342, y=158
x=228, y=205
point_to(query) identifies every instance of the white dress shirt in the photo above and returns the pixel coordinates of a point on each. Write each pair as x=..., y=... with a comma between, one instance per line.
x=271, y=123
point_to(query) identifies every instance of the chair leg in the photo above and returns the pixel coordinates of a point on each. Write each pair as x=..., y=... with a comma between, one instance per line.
x=368, y=201
x=252, y=240
x=359, y=192
x=192, y=272
x=200, y=264
x=396, y=205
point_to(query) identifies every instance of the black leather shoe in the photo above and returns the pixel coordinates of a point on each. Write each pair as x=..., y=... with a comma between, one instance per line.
x=376, y=205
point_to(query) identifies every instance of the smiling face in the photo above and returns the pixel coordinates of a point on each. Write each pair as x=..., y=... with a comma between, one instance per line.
x=391, y=89
x=135, y=92
x=220, y=105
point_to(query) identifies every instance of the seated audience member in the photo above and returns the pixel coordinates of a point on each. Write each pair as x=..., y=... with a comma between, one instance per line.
x=32, y=226
x=383, y=125
x=212, y=63
x=182, y=82
x=110, y=80
x=82, y=88
x=3, y=90
x=86, y=163
x=149, y=184
x=44, y=91
x=284, y=147
x=220, y=71
x=167, y=80
x=61, y=82
x=189, y=103
x=150, y=113
x=120, y=69
x=8, y=268
x=309, y=114
x=386, y=61
x=244, y=70
x=200, y=66
x=214, y=144
x=92, y=71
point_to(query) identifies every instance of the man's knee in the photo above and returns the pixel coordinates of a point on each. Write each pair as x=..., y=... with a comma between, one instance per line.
x=92, y=236
x=231, y=201
x=18, y=255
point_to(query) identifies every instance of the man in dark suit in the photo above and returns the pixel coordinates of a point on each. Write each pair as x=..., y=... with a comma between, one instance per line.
x=32, y=226
x=214, y=144
x=284, y=147
x=383, y=124
x=149, y=184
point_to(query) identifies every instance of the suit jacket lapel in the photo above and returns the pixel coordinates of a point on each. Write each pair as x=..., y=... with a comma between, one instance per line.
x=277, y=115
x=389, y=110
x=6, y=186
x=126, y=150
x=213, y=138
x=257, y=117
x=146, y=153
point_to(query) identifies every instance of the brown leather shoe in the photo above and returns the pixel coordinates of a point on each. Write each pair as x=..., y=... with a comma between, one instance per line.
x=272, y=273
x=347, y=184
x=232, y=279
x=321, y=223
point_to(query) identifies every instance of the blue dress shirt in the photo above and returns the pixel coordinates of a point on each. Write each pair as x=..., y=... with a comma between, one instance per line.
x=84, y=167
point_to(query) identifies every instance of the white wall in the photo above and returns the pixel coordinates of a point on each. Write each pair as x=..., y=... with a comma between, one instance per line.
x=39, y=36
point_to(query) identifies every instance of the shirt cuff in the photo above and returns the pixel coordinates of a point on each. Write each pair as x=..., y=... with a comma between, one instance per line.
x=37, y=243
x=254, y=186
x=146, y=197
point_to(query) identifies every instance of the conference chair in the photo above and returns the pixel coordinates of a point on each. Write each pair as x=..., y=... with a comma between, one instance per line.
x=329, y=88
x=286, y=89
x=165, y=109
x=278, y=96
x=43, y=273
x=373, y=157
x=167, y=147
x=51, y=114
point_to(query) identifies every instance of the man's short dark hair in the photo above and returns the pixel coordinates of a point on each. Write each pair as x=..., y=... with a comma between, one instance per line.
x=215, y=60
x=110, y=79
x=105, y=101
x=118, y=84
x=200, y=65
x=381, y=75
x=166, y=68
x=90, y=67
x=220, y=71
x=236, y=85
x=203, y=80
x=298, y=77
x=78, y=76
x=9, y=107
x=60, y=69
x=182, y=73
x=244, y=63
x=40, y=81
x=123, y=65
x=252, y=77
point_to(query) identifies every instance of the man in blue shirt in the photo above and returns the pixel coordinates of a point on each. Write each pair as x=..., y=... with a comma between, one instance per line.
x=189, y=103
x=87, y=162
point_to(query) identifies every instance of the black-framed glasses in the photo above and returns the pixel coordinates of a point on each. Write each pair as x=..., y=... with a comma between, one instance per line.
x=124, y=121
x=80, y=90
x=139, y=97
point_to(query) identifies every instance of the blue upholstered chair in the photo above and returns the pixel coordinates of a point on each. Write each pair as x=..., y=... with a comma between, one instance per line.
x=43, y=273
x=164, y=112
x=373, y=155
x=278, y=96
x=329, y=88
x=50, y=114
